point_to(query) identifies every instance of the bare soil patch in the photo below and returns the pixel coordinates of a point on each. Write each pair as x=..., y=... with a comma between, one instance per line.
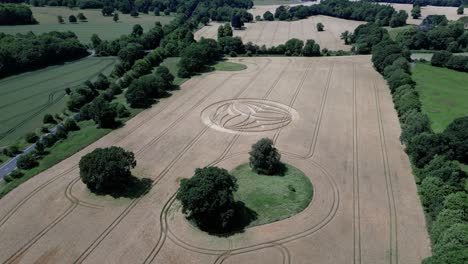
x=365, y=208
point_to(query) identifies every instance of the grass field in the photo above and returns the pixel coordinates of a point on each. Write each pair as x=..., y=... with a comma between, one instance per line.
x=229, y=66
x=105, y=27
x=270, y=196
x=393, y=32
x=25, y=98
x=443, y=93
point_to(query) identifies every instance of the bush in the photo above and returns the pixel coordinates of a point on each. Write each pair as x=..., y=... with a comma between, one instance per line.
x=208, y=198
x=26, y=162
x=61, y=132
x=268, y=16
x=440, y=58
x=16, y=174
x=49, y=140
x=264, y=157
x=11, y=151
x=71, y=125
x=107, y=170
x=8, y=178
x=31, y=137
x=320, y=26
x=49, y=119
x=433, y=191
x=72, y=19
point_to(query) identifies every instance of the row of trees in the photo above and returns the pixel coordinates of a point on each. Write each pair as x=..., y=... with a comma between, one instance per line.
x=25, y=52
x=13, y=14
x=440, y=177
x=448, y=60
x=427, y=2
x=440, y=36
x=363, y=11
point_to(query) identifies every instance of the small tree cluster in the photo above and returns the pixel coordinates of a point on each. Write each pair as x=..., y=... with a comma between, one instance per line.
x=265, y=158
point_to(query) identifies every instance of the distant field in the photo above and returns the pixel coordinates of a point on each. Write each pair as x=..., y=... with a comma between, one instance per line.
x=25, y=98
x=443, y=94
x=448, y=11
x=273, y=33
x=105, y=27
x=275, y=2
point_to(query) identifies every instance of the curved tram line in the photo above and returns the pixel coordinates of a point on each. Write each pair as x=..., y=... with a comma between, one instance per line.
x=223, y=254
x=74, y=204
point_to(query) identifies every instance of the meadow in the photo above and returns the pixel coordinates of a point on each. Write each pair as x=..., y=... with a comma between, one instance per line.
x=105, y=27
x=27, y=97
x=443, y=94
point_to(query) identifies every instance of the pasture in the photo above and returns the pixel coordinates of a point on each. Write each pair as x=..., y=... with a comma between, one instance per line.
x=448, y=11
x=443, y=94
x=273, y=33
x=330, y=117
x=105, y=27
x=27, y=97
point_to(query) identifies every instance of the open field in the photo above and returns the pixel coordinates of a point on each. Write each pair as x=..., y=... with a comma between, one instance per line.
x=443, y=94
x=275, y=2
x=448, y=11
x=331, y=117
x=272, y=33
x=272, y=5
x=27, y=97
x=105, y=27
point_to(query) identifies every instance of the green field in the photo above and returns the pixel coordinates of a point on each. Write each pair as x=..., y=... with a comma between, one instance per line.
x=229, y=66
x=270, y=197
x=393, y=32
x=443, y=92
x=105, y=27
x=25, y=98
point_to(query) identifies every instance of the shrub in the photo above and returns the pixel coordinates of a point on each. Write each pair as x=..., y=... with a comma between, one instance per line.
x=49, y=119
x=31, y=137
x=433, y=191
x=8, y=178
x=26, y=162
x=320, y=27
x=70, y=125
x=49, y=140
x=208, y=198
x=268, y=16
x=107, y=170
x=11, y=151
x=440, y=58
x=264, y=157
x=61, y=132
x=72, y=19
x=16, y=174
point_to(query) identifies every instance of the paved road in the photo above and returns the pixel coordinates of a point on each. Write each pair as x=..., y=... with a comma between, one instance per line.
x=10, y=165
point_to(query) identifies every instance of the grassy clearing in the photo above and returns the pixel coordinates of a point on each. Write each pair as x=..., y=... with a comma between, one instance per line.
x=443, y=94
x=105, y=27
x=229, y=66
x=269, y=196
x=171, y=64
x=25, y=98
x=393, y=32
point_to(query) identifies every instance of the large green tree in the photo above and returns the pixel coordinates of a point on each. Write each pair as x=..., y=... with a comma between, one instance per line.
x=208, y=198
x=107, y=170
x=265, y=158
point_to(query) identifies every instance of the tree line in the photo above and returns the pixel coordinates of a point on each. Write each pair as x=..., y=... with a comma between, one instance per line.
x=13, y=14
x=448, y=60
x=382, y=15
x=435, y=157
x=427, y=2
x=25, y=52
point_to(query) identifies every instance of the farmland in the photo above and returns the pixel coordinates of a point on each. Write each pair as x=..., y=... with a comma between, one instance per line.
x=337, y=125
x=25, y=98
x=443, y=94
x=449, y=12
x=272, y=33
x=105, y=27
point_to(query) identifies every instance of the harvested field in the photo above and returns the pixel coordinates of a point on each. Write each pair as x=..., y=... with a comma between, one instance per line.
x=338, y=126
x=25, y=98
x=105, y=27
x=272, y=33
x=448, y=11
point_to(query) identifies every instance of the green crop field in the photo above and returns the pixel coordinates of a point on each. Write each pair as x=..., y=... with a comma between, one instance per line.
x=443, y=92
x=25, y=98
x=105, y=27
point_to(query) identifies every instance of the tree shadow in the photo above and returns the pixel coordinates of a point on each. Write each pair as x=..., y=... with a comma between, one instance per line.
x=243, y=216
x=133, y=188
